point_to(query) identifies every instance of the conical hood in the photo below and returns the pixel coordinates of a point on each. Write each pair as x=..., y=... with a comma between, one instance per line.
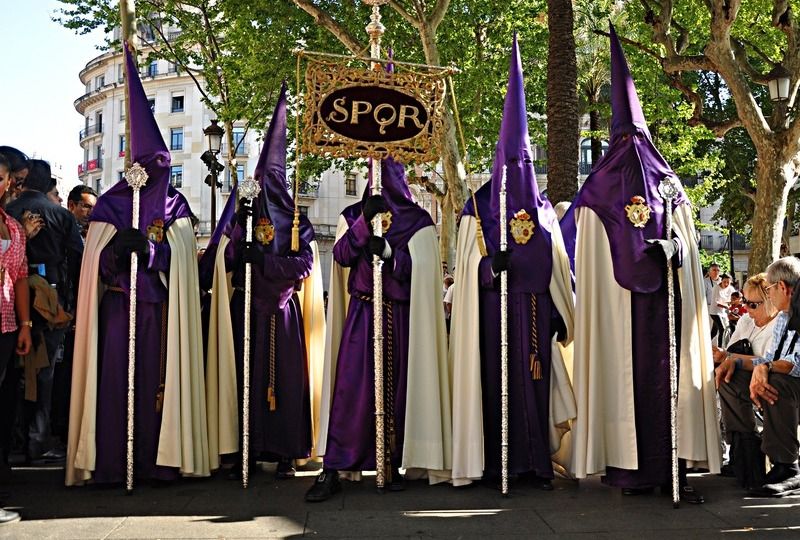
x=626, y=110
x=274, y=202
x=514, y=145
x=148, y=150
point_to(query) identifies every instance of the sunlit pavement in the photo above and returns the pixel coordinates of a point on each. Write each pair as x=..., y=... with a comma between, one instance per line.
x=220, y=508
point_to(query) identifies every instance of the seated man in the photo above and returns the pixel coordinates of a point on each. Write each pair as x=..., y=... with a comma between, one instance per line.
x=773, y=385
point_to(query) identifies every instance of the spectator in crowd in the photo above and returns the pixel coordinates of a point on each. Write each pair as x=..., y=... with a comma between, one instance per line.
x=15, y=323
x=772, y=382
x=710, y=280
x=448, y=299
x=735, y=310
x=753, y=334
x=18, y=163
x=80, y=202
x=51, y=252
x=720, y=298
x=53, y=193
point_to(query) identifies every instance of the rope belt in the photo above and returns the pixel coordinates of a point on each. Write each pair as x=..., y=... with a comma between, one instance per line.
x=388, y=381
x=163, y=367
x=271, y=395
x=535, y=363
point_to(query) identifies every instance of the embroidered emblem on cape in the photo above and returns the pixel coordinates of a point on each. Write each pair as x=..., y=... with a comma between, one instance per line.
x=386, y=220
x=522, y=227
x=155, y=231
x=638, y=212
x=264, y=231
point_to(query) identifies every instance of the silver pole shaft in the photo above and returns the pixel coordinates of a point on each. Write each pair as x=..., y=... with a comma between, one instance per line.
x=668, y=190
x=503, y=341
x=375, y=30
x=248, y=288
x=132, y=349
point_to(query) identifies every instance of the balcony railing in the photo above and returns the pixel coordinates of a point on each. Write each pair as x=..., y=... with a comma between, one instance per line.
x=91, y=165
x=324, y=231
x=89, y=131
x=540, y=167
x=584, y=168
x=242, y=150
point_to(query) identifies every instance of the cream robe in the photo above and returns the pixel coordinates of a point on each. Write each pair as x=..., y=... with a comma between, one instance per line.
x=223, y=399
x=183, y=440
x=427, y=447
x=468, y=458
x=604, y=433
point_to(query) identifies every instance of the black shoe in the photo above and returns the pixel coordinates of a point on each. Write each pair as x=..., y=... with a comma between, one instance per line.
x=780, y=472
x=235, y=472
x=285, y=469
x=631, y=492
x=787, y=486
x=689, y=495
x=398, y=483
x=727, y=471
x=325, y=486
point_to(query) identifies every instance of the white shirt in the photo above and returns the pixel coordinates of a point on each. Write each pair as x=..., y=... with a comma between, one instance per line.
x=760, y=337
x=710, y=283
x=720, y=296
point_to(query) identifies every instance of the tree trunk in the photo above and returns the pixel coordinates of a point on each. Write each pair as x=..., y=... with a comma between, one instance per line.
x=773, y=174
x=562, y=103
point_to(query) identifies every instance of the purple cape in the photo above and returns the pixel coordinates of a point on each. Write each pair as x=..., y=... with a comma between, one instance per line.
x=631, y=167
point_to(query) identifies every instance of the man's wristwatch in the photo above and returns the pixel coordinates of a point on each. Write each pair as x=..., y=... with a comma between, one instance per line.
x=769, y=366
x=29, y=324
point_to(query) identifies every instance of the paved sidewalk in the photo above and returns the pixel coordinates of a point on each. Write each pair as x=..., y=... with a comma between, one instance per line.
x=220, y=508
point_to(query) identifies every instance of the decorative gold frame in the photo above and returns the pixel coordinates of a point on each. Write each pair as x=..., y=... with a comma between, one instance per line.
x=324, y=77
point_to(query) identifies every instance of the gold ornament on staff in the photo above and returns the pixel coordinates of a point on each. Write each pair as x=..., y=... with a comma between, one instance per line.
x=668, y=189
x=248, y=191
x=136, y=177
x=375, y=30
x=503, y=342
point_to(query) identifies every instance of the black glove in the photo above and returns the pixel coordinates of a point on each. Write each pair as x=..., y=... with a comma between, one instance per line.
x=376, y=246
x=558, y=329
x=129, y=241
x=251, y=254
x=245, y=209
x=501, y=260
x=373, y=206
x=669, y=247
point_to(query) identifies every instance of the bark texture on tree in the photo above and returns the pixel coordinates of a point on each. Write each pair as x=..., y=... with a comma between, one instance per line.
x=562, y=103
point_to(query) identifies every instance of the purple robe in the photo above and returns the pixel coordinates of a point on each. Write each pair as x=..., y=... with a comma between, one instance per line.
x=351, y=431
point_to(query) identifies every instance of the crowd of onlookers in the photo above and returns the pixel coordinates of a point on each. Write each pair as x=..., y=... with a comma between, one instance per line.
x=757, y=354
x=41, y=244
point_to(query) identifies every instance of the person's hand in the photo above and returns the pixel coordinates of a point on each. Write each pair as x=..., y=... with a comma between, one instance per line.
x=24, y=341
x=669, y=247
x=719, y=354
x=501, y=260
x=760, y=387
x=724, y=371
x=32, y=223
x=245, y=210
x=250, y=254
x=129, y=241
x=376, y=245
x=373, y=206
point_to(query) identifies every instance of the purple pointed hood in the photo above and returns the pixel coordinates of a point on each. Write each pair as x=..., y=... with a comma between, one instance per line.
x=148, y=150
x=632, y=167
x=274, y=202
x=514, y=151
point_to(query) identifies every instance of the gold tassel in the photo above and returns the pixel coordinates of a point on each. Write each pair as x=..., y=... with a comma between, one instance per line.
x=273, y=404
x=296, y=231
x=536, y=368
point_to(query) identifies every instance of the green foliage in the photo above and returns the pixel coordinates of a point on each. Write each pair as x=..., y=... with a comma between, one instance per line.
x=707, y=258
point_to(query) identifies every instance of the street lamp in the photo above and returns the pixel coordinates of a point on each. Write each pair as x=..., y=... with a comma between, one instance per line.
x=214, y=135
x=779, y=80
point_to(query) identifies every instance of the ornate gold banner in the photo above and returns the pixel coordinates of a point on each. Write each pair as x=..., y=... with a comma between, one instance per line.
x=358, y=112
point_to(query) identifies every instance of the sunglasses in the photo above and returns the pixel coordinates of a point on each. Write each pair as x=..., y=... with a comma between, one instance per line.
x=750, y=304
